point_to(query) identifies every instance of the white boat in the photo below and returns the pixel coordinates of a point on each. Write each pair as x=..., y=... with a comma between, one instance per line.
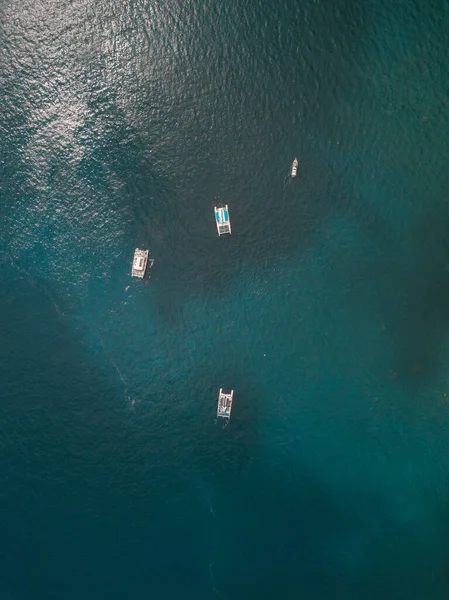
x=224, y=404
x=140, y=262
x=294, y=167
x=222, y=220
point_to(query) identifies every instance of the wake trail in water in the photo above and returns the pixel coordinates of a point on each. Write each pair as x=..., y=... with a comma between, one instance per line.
x=33, y=282
x=126, y=392
x=211, y=546
x=125, y=385
x=212, y=581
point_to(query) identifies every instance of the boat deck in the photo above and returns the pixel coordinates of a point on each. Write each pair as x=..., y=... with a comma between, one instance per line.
x=294, y=168
x=140, y=262
x=224, y=404
x=222, y=220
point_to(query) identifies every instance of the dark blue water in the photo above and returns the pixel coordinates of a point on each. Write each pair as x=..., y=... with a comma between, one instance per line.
x=327, y=310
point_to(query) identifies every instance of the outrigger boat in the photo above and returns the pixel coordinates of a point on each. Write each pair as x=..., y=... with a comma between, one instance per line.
x=294, y=167
x=222, y=220
x=140, y=262
x=224, y=404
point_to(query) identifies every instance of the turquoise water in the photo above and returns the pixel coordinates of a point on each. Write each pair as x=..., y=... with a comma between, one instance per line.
x=326, y=310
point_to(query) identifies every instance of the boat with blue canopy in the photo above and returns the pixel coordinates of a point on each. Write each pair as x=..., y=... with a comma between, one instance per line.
x=222, y=220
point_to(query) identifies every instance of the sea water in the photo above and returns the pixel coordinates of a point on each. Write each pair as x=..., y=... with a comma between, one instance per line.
x=122, y=126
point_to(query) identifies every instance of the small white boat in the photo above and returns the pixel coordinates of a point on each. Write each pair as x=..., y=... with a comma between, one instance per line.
x=224, y=404
x=294, y=167
x=222, y=220
x=140, y=262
